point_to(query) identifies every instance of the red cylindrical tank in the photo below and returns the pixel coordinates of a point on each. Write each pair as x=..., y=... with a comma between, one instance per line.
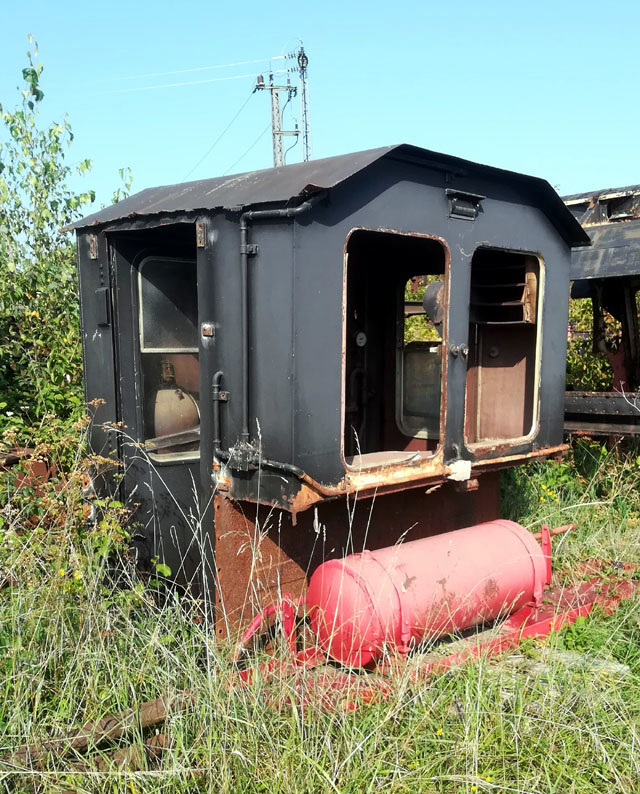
x=401, y=595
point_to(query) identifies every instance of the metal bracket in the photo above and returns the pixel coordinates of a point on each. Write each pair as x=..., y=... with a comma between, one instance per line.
x=221, y=396
x=456, y=350
x=251, y=249
x=200, y=234
x=93, y=246
x=243, y=457
x=463, y=206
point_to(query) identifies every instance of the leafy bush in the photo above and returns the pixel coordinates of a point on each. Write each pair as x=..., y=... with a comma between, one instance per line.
x=40, y=355
x=588, y=370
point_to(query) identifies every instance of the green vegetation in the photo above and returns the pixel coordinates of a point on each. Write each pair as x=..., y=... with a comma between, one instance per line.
x=588, y=370
x=81, y=636
x=40, y=359
x=418, y=327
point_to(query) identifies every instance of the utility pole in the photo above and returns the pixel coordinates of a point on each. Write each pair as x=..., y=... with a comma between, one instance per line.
x=303, y=62
x=277, y=132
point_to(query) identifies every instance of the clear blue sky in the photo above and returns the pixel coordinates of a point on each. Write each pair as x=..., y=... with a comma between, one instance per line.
x=547, y=88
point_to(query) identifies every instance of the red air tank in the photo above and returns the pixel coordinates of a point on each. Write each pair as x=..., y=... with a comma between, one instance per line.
x=400, y=595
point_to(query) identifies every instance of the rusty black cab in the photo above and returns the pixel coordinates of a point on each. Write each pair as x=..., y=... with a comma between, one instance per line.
x=304, y=361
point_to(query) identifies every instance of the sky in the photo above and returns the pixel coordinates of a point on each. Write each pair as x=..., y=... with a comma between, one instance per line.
x=545, y=88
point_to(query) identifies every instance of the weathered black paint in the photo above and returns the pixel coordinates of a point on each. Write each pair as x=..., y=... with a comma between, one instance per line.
x=608, y=272
x=295, y=318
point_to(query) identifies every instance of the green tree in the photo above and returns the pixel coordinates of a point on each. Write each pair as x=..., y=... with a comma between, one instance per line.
x=40, y=354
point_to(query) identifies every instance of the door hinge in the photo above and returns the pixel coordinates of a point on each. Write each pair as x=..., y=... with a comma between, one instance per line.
x=93, y=246
x=200, y=234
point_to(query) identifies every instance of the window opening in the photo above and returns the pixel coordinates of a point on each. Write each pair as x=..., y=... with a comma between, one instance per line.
x=602, y=350
x=393, y=371
x=420, y=357
x=503, y=340
x=168, y=310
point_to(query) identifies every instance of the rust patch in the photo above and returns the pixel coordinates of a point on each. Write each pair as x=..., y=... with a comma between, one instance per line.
x=260, y=554
x=396, y=478
x=491, y=589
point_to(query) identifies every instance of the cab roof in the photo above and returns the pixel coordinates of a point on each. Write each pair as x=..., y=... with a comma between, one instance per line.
x=292, y=184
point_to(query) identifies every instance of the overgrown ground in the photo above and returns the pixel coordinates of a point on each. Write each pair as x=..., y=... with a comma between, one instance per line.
x=81, y=636
x=74, y=648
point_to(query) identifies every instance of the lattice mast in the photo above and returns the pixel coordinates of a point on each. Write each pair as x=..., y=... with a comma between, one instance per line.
x=305, y=120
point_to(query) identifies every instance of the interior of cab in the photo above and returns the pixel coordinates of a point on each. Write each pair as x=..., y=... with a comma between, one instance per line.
x=394, y=342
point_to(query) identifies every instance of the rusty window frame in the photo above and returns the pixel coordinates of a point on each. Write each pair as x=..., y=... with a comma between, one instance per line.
x=431, y=455
x=483, y=443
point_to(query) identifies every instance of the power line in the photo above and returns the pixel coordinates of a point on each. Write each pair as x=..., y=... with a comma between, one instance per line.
x=219, y=138
x=242, y=156
x=195, y=69
x=177, y=85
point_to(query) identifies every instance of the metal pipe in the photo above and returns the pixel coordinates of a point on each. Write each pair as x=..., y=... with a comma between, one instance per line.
x=215, y=399
x=557, y=531
x=244, y=267
x=245, y=218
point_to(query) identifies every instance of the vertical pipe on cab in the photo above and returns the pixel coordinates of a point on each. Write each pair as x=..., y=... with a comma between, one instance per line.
x=244, y=288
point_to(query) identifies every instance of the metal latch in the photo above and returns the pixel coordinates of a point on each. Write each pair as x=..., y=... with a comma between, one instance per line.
x=463, y=206
x=103, y=306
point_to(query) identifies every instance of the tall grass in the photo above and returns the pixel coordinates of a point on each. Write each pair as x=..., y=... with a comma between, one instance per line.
x=75, y=644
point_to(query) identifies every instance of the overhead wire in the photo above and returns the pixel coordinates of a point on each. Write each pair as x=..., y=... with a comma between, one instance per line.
x=196, y=69
x=284, y=156
x=295, y=143
x=178, y=85
x=242, y=156
x=219, y=138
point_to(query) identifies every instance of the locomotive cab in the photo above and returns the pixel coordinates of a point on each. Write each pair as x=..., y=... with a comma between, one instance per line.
x=301, y=362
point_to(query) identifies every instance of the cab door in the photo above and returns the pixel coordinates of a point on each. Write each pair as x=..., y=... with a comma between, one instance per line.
x=157, y=332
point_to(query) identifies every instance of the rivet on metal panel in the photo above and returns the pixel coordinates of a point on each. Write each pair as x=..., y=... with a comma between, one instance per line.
x=200, y=234
x=93, y=246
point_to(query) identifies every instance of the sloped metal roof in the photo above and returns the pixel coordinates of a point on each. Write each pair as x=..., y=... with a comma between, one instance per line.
x=615, y=251
x=293, y=183
x=610, y=192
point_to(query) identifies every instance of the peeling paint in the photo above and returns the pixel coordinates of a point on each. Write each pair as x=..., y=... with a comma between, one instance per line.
x=460, y=470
